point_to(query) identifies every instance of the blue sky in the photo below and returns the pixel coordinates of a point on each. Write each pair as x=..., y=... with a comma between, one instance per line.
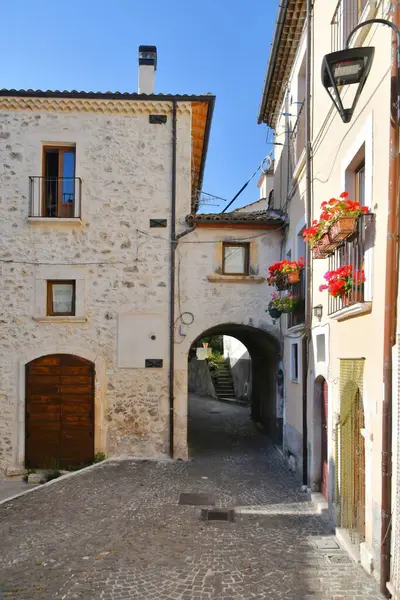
x=214, y=46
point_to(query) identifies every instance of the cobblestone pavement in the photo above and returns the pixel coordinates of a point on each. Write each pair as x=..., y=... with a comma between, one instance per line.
x=117, y=532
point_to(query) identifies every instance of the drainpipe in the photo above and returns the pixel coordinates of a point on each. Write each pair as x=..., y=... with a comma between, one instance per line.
x=391, y=286
x=172, y=285
x=306, y=338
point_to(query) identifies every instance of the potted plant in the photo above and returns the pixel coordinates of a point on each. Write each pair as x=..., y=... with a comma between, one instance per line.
x=277, y=277
x=345, y=282
x=341, y=215
x=284, y=304
x=317, y=237
x=285, y=272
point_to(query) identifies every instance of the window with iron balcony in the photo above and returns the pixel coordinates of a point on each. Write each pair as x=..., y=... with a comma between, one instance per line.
x=352, y=255
x=56, y=194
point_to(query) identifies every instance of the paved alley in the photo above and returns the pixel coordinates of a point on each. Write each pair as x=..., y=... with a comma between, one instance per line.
x=117, y=532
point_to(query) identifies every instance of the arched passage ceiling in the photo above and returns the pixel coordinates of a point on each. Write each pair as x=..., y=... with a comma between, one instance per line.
x=256, y=340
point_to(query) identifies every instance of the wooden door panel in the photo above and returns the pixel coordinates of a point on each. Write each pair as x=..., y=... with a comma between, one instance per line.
x=47, y=360
x=59, y=411
x=70, y=370
x=43, y=370
x=76, y=389
x=75, y=379
x=77, y=408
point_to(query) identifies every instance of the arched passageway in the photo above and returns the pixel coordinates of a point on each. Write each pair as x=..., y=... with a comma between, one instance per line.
x=59, y=412
x=262, y=391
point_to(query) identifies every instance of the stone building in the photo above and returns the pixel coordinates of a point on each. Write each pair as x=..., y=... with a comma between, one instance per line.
x=99, y=232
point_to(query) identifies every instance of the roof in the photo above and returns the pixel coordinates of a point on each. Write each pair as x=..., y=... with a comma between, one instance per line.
x=104, y=95
x=260, y=217
x=288, y=30
x=202, y=111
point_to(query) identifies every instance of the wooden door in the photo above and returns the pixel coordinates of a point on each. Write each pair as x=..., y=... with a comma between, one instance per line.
x=59, y=412
x=324, y=437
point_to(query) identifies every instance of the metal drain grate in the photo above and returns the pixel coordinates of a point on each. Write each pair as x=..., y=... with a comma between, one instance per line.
x=197, y=499
x=338, y=559
x=217, y=514
x=325, y=543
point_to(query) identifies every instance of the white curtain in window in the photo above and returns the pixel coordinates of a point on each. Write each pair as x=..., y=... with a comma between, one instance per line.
x=62, y=297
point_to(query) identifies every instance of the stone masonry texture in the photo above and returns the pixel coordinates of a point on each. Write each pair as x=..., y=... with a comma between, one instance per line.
x=117, y=532
x=125, y=166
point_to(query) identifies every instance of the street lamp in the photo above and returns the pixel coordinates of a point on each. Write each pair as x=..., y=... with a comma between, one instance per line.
x=351, y=67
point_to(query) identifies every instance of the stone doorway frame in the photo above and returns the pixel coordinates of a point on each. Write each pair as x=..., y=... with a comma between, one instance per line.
x=100, y=387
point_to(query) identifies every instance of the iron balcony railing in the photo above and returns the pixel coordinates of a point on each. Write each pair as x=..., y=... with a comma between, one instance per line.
x=298, y=289
x=55, y=197
x=346, y=16
x=353, y=252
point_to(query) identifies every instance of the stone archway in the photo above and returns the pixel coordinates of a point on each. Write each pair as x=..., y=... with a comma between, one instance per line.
x=264, y=350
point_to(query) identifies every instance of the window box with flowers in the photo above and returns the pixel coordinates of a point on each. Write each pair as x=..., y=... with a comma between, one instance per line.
x=289, y=303
x=338, y=222
x=284, y=273
x=345, y=286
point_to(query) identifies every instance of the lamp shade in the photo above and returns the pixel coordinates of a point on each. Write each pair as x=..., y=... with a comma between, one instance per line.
x=344, y=69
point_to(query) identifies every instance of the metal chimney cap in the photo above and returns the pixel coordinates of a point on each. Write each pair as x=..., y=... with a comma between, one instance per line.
x=148, y=56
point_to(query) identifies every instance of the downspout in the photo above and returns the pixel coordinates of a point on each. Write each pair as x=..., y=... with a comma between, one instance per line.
x=306, y=338
x=172, y=285
x=391, y=286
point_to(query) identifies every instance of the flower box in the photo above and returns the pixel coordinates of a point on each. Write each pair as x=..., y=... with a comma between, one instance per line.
x=281, y=282
x=318, y=252
x=342, y=228
x=294, y=277
x=274, y=313
x=322, y=249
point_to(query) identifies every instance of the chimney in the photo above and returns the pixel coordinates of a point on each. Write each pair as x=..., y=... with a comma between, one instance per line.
x=147, y=69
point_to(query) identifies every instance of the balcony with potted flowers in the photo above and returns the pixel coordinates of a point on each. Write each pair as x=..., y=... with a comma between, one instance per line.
x=288, y=278
x=344, y=234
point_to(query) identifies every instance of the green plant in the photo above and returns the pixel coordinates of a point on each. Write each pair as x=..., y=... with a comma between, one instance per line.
x=214, y=342
x=53, y=475
x=214, y=361
x=286, y=304
x=99, y=457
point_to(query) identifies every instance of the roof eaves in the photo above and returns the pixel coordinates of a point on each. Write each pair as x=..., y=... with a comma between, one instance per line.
x=272, y=57
x=287, y=36
x=105, y=95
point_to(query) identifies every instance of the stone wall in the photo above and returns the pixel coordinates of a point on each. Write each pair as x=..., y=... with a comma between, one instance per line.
x=199, y=378
x=125, y=166
x=121, y=267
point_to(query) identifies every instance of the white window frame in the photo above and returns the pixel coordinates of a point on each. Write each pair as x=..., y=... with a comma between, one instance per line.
x=364, y=138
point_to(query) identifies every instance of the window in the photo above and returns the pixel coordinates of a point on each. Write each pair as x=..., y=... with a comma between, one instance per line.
x=300, y=127
x=359, y=177
x=58, y=181
x=60, y=298
x=235, y=259
x=347, y=15
x=294, y=362
x=321, y=355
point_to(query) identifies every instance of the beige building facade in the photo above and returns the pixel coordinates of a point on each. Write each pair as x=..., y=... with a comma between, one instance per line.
x=339, y=430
